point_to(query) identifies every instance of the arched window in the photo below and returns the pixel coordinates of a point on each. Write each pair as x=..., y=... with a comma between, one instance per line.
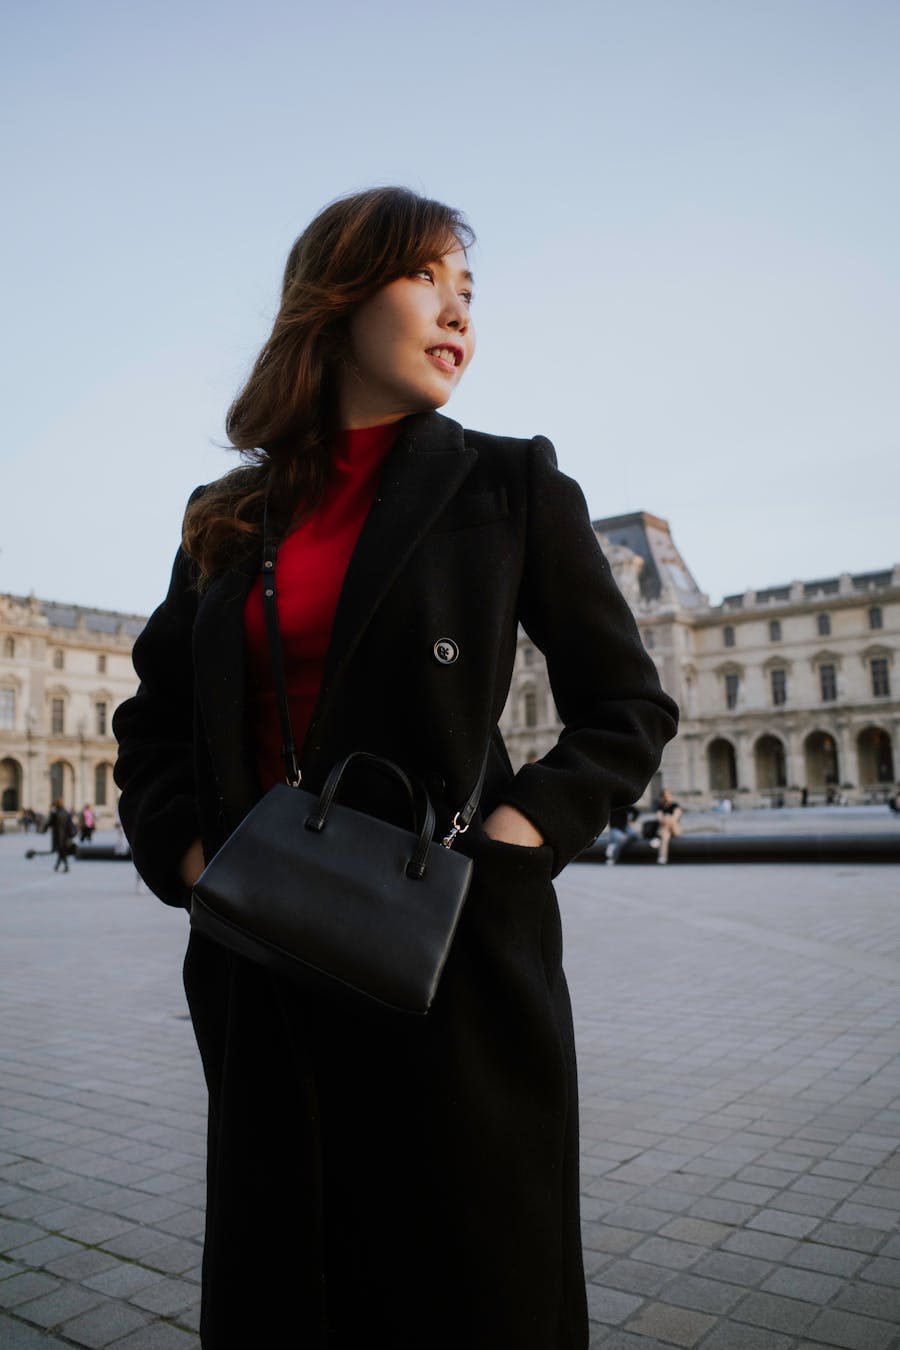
x=9, y=646
x=774, y=630
x=722, y=766
x=57, y=781
x=728, y=635
x=823, y=625
x=10, y=785
x=771, y=770
x=101, y=784
x=876, y=758
x=820, y=753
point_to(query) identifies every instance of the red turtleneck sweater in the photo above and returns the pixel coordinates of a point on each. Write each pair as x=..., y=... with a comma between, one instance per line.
x=312, y=563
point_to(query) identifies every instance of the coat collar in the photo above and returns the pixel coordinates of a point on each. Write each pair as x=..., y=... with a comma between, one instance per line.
x=424, y=468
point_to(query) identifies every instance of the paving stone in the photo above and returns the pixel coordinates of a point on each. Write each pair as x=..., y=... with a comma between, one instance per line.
x=731, y=1212
x=636, y=1277
x=852, y=1332
x=158, y=1336
x=765, y=1246
x=659, y=1251
x=709, y=1296
x=28, y=1285
x=810, y=1285
x=16, y=1336
x=676, y=1326
x=610, y=1305
x=44, y=1250
x=60, y=1306
x=604, y=1239
x=854, y=1236
x=882, y=1271
x=782, y=1223
x=122, y=1280
x=829, y=1260
x=788, y=1315
x=870, y=1300
x=78, y=1265
x=165, y=1297
x=733, y=1268
x=701, y=1231
x=735, y=1336
x=104, y=1325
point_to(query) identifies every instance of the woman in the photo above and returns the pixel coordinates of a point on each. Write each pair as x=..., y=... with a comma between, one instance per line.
x=59, y=823
x=668, y=816
x=411, y=1185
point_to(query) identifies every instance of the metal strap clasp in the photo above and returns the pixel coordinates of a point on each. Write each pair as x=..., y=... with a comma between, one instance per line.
x=449, y=839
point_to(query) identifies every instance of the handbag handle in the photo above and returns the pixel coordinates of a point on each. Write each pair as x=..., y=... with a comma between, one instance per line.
x=289, y=754
x=415, y=868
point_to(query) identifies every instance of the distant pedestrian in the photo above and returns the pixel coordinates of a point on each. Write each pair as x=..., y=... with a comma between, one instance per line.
x=87, y=822
x=60, y=825
x=668, y=815
x=621, y=832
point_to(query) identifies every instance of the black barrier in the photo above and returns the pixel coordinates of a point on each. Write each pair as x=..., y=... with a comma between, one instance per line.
x=102, y=853
x=759, y=848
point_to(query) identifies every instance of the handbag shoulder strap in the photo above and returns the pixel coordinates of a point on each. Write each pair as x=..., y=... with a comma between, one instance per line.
x=276, y=652
x=462, y=818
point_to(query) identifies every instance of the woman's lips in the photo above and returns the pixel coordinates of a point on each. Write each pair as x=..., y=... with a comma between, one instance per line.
x=445, y=358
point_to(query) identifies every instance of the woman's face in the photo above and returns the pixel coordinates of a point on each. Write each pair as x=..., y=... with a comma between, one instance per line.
x=409, y=344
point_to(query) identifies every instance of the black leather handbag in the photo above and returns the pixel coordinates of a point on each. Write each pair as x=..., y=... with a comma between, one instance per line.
x=346, y=903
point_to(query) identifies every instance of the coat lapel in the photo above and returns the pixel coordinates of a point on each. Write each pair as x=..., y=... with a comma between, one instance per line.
x=423, y=471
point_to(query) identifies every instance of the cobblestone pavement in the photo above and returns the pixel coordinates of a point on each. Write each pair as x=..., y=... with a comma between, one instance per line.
x=740, y=1073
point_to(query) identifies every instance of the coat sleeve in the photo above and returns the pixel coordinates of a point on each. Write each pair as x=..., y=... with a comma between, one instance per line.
x=616, y=718
x=155, y=731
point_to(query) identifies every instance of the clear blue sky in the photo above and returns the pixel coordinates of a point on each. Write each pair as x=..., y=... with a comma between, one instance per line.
x=688, y=265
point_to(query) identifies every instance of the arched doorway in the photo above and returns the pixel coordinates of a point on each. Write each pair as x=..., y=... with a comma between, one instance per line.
x=10, y=785
x=821, y=756
x=62, y=782
x=876, y=757
x=771, y=771
x=722, y=765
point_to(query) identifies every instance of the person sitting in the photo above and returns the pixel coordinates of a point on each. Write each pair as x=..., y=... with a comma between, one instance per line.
x=668, y=815
x=621, y=831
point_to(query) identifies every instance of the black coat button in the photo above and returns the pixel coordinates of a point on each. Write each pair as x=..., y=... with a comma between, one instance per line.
x=446, y=651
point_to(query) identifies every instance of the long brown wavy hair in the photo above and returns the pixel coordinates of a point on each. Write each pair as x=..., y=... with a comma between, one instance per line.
x=285, y=418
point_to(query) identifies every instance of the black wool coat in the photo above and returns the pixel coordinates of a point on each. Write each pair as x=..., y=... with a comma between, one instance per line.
x=414, y=1184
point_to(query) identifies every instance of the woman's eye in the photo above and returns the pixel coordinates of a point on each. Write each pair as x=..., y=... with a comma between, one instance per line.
x=467, y=296
x=425, y=272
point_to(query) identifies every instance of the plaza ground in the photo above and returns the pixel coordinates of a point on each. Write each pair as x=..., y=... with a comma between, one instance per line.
x=739, y=1044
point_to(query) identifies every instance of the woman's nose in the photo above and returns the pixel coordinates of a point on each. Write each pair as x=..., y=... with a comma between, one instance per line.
x=455, y=315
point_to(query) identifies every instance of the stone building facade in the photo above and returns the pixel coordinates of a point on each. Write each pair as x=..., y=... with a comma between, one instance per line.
x=63, y=671
x=787, y=694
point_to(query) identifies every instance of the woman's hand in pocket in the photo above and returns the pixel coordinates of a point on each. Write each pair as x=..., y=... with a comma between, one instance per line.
x=509, y=826
x=192, y=864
